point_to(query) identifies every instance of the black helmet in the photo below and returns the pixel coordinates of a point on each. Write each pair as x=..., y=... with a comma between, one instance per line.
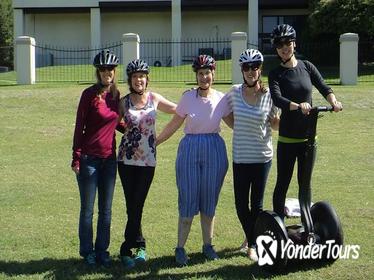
x=203, y=61
x=137, y=65
x=283, y=31
x=105, y=58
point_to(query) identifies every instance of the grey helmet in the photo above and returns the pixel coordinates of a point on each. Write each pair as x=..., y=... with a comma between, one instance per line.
x=137, y=65
x=283, y=31
x=251, y=56
x=105, y=58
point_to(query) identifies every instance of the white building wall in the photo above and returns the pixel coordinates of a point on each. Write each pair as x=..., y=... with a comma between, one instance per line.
x=63, y=30
x=221, y=24
x=147, y=25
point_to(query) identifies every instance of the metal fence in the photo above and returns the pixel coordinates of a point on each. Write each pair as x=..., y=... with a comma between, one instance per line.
x=69, y=64
x=55, y=64
x=158, y=53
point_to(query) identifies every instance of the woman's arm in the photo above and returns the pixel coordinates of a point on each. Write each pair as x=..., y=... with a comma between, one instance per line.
x=80, y=124
x=165, y=105
x=229, y=120
x=170, y=129
x=121, y=126
x=334, y=103
x=274, y=122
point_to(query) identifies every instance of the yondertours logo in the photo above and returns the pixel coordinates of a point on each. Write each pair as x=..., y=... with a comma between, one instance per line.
x=268, y=246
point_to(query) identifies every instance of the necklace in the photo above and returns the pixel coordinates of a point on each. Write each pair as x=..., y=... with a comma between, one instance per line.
x=140, y=102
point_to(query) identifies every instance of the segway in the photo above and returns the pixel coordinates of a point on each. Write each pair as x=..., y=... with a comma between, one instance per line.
x=320, y=224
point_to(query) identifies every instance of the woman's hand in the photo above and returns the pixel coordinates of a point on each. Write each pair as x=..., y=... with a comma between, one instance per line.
x=337, y=106
x=75, y=169
x=305, y=108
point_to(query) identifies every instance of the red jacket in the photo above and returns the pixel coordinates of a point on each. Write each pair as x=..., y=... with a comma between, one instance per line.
x=97, y=119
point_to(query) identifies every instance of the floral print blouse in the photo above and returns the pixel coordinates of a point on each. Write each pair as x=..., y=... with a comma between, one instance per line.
x=138, y=144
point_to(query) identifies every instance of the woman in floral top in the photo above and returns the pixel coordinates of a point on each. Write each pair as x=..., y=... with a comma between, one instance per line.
x=137, y=154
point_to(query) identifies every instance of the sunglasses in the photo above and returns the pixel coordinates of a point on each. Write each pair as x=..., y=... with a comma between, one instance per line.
x=106, y=68
x=251, y=66
x=280, y=44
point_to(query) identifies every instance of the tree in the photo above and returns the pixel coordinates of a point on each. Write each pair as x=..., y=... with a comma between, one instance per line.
x=6, y=33
x=341, y=16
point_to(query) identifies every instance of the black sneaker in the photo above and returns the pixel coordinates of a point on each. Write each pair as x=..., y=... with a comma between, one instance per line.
x=104, y=259
x=90, y=259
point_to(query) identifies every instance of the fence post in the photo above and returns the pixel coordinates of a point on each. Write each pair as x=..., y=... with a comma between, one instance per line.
x=238, y=45
x=25, y=53
x=130, y=50
x=176, y=26
x=348, y=58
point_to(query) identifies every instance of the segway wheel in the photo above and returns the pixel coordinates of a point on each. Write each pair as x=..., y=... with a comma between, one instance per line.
x=327, y=224
x=270, y=232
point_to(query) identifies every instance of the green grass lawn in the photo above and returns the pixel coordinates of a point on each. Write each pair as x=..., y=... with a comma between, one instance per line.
x=39, y=199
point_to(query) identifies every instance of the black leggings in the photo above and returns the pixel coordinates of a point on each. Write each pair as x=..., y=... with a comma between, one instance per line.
x=287, y=153
x=249, y=177
x=136, y=181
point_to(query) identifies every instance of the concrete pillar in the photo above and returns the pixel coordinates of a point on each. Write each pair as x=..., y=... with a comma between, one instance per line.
x=95, y=28
x=238, y=45
x=18, y=29
x=25, y=52
x=253, y=24
x=19, y=22
x=348, y=58
x=130, y=50
x=176, y=31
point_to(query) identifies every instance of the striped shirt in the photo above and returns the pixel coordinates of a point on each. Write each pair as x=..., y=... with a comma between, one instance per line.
x=252, y=141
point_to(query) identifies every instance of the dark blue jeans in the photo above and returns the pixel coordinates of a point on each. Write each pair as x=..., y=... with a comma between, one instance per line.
x=249, y=178
x=95, y=174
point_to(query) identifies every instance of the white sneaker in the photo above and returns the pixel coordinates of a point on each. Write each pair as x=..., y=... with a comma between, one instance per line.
x=244, y=247
x=252, y=254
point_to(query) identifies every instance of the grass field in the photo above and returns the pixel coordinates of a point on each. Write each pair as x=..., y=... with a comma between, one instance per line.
x=39, y=199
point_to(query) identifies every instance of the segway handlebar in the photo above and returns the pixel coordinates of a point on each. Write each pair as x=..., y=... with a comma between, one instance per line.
x=323, y=108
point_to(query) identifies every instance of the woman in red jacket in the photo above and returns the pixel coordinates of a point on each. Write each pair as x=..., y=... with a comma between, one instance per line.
x=94, y=157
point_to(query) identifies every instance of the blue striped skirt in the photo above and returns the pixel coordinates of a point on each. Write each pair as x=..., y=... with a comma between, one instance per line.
x=201, y=167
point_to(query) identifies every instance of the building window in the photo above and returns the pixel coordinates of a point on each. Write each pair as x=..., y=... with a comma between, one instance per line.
x=269, y=22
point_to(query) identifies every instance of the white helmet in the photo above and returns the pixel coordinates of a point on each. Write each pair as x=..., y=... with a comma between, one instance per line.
x=251, y=56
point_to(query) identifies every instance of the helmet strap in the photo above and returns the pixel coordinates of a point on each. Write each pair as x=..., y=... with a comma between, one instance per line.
x=287, y=60
x=254, y=84
x=132, y=90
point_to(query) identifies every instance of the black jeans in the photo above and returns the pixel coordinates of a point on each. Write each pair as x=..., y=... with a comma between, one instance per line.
x=247, y=176
x=287, y=153
x=136, y=181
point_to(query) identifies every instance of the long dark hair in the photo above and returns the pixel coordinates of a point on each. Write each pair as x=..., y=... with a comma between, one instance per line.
x=113, y=89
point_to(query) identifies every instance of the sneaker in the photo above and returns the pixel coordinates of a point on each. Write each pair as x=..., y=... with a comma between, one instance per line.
x=244, y=247
x=104, y=259
x=181, y=256
x=252, y=254
x=209, y=252
x=90, y=259
x=140, y=255
x=128, y=262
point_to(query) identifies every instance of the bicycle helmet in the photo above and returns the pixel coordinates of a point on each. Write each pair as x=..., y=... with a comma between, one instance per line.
x=137, y=65
x=283, y=31
x=203, y=61
x=251, y=56
x=105, y=58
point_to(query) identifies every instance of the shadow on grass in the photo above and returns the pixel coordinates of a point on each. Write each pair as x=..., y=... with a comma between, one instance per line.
x=162, y=268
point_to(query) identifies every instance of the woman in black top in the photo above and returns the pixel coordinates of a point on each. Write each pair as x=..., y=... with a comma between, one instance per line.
x=291, y=90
